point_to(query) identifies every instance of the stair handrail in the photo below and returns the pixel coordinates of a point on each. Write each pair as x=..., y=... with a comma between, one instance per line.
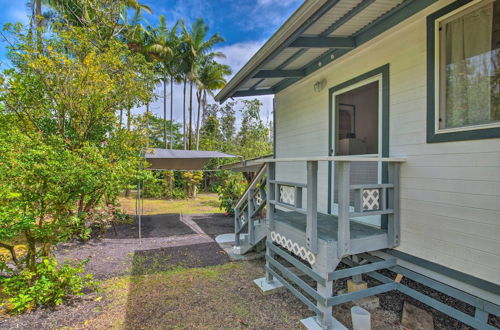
x=255, y=181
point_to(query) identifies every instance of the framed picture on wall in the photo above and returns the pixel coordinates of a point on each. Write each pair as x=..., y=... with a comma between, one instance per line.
x=347, y=120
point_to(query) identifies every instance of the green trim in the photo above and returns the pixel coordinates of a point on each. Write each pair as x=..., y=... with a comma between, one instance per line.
x=432, y=136
x=384, y=71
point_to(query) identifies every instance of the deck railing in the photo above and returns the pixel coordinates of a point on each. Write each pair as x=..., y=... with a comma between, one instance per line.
x=249, y=206
x=369, y=199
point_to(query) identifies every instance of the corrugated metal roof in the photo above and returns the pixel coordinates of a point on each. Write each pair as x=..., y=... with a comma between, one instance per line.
x=307, y=57
x=168, y=159
x=366, y=16
x=315, y=29
x=332, y=16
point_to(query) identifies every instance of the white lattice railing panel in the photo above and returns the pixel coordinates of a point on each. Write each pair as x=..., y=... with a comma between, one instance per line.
x=293, y=247
x=371, y=199
x=287, y=194
x=258, y=198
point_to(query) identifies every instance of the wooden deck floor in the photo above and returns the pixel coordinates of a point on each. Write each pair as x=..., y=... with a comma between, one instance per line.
x=327, y=225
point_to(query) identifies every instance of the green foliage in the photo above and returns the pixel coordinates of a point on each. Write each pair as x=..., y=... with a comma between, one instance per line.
x=230, y=191
x=158, y=185
x=154, y=125
x=64, y=156
x=219, y=132
x=48, y=285
x=192, y=179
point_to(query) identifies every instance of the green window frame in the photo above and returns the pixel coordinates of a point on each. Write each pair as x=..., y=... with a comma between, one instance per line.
x=474, y=132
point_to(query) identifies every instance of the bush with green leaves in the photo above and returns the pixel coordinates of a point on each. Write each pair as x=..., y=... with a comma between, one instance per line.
x=230, y=191
x=47, y=285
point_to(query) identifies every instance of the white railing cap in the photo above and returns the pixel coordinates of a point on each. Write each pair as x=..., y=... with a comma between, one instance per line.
x=336, y=159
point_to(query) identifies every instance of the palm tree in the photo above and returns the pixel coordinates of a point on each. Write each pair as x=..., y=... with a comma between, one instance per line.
x=107, y=18
x=163, y=49
x=211, y=76
x=198, y=46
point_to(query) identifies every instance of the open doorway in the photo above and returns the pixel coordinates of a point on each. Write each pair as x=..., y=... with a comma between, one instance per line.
x=356, y=131
x=357, y=113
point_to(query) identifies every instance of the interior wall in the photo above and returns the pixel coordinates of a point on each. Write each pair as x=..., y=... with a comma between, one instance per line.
x=366, y=101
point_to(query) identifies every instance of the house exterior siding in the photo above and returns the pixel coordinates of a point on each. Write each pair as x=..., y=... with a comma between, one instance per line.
x=450, y=191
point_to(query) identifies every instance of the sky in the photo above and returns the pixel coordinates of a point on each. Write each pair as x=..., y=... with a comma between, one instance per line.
x=244, y=24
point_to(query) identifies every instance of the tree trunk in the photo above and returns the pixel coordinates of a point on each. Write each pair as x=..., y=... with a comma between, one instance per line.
x=198, y=96
x=184, y=115
x=171, y=112
x=147, y=124
x=165, y=111
x=38, y=13
x=121, y=118
x=190, y=114
x=128, y=119
x=127, y=191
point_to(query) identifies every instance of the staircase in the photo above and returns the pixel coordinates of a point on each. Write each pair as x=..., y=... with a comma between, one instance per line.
x=250, y=223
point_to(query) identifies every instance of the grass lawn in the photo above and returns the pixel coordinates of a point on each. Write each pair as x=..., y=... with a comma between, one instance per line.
x=203, y=203
x=216, y=297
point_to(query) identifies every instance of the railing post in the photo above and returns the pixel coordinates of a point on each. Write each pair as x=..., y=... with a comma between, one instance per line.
x=312, y=206
x=271, y=194
x=393, y=225
x=237, y=227
x=250, y=208
x=343, y=188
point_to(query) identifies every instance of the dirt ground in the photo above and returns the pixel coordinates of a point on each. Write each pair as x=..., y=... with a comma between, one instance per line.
x=177, y=277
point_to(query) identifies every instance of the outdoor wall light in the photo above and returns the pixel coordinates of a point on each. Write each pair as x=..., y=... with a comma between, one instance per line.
x=319, y=85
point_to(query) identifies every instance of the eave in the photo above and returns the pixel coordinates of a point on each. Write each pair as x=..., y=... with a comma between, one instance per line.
x=318, y=33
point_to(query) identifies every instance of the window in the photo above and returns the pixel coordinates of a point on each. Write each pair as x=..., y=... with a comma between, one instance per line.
x=465, y=40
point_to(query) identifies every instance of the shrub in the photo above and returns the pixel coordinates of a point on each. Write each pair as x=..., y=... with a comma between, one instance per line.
x=49, y=285
x=234, y=186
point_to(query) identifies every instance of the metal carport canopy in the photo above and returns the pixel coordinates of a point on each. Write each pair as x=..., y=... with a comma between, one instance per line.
x=168, y=159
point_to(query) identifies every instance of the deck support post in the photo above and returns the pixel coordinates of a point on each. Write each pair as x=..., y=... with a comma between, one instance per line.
x=393, y=225
x=250, y=210
x=312, y=207
x=237, y=227
x=271, y=194
x=343, y=188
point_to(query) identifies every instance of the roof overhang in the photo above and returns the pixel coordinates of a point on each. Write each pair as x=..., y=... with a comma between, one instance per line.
x=168, y=159
x=318, y=33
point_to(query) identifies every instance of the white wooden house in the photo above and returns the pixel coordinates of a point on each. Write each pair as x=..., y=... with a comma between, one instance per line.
x=387, y=150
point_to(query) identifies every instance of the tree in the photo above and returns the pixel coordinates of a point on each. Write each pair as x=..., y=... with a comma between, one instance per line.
x=64, y=91
x=197, y=48
x=211, y=76
x=154, y=126
x=106, y=19
x=163, y=49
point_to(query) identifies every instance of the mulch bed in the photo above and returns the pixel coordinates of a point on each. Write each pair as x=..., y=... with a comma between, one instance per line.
x=187, y=256
x=214, y=224
x=160, y=225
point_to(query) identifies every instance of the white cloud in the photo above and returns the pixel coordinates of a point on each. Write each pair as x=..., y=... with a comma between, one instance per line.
x=238, y=54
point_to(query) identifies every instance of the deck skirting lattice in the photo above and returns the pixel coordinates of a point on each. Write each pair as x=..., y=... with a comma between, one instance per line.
x=293, y=247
